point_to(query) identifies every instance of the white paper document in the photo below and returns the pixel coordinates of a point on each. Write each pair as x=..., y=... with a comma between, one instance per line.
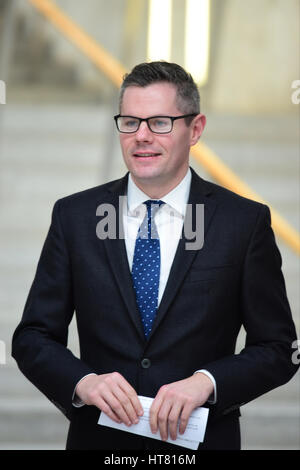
x=193, y=435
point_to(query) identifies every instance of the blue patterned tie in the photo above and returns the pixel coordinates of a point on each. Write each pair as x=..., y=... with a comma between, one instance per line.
x=146, y=266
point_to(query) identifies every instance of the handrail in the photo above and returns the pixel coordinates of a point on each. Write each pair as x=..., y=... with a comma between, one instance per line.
x=91, y=49
x=226, y=177
x=115, y=71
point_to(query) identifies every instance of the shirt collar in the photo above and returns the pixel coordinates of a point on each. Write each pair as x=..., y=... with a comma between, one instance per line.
x=176, y=199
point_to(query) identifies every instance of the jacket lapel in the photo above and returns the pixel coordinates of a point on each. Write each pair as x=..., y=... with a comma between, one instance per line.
x=117, y=256
x=199, y=194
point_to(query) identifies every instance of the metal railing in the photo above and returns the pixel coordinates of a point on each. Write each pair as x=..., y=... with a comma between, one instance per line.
x=114, y=71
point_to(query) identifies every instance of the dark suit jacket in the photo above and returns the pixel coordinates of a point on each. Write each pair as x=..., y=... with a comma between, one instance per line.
x=234, y=279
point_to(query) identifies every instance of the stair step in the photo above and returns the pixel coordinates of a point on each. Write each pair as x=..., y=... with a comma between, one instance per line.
x=31, y=421
x=31, y=446
x=275, y=426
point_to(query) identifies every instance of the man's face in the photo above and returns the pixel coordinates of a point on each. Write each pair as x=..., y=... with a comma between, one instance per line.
x=157, y=160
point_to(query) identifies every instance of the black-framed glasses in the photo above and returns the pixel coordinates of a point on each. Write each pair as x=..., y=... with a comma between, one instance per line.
x=156, y=124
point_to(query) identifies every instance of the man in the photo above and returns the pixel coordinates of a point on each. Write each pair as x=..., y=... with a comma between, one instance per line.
x=182, y=354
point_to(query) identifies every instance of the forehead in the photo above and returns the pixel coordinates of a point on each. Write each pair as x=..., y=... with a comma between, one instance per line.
x=155, y=99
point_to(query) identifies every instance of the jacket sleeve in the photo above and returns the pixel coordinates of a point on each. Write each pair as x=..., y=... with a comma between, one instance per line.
x=39, y=343
x=266, y=361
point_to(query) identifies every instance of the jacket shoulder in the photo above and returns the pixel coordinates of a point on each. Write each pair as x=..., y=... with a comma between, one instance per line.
x=229, y=198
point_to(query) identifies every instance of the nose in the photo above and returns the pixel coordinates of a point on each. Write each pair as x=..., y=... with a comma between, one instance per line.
x=143, y=133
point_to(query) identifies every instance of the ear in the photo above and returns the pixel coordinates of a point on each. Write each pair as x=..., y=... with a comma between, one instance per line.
x=197, y=127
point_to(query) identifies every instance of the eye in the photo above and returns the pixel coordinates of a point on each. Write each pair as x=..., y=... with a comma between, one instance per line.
x=129, y=123
x=160, y=122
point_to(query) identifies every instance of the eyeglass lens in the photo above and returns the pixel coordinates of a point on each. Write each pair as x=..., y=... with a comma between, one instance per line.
x=157, y=124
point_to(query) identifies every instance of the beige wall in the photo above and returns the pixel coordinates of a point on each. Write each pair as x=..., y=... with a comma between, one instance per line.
x=258, y=56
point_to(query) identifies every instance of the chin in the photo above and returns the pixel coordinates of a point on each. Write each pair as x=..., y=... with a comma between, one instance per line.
x=146, y=175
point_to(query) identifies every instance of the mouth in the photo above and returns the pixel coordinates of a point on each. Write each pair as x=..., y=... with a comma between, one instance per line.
x=146, y=155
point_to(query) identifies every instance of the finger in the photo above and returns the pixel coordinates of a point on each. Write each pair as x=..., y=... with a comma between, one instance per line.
x=153, y=413
x=105, y=408
x=162, y=419
x=131, y=395
x=184, y=418
x=127, y=403
x=135, y=402
x=116, y=406
x=173, y=419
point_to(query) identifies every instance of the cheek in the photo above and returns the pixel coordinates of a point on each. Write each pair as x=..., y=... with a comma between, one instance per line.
x=166, y=144
x=178, y=149
x=124, y=143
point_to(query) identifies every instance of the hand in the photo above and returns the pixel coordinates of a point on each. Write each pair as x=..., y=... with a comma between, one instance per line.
x=113, y=395
x=176, y=401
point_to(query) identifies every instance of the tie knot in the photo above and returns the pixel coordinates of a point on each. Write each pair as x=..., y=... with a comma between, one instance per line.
x=152, y=206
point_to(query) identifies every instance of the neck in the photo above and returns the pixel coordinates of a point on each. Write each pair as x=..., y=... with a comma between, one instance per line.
x=157, y=189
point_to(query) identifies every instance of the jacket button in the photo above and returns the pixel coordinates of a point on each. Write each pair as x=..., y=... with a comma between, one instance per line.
x=146, y=363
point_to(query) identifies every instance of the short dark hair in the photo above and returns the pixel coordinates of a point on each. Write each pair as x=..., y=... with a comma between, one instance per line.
x=147, y=73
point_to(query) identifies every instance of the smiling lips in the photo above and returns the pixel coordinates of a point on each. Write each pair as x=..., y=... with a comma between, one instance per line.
x=145, y=154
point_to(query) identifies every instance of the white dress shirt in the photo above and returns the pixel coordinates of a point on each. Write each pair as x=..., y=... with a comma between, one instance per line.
x=169, y=222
